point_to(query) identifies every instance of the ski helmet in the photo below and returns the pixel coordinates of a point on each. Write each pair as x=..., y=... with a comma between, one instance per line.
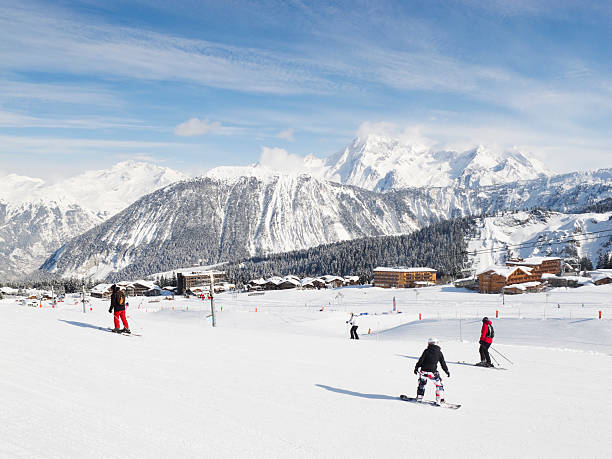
x=485, y=319
x=432, y=341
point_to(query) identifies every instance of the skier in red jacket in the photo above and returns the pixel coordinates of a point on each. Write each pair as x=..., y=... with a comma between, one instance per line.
x=486, y=338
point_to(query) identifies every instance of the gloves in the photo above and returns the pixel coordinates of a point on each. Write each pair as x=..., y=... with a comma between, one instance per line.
x=416, y=372
x=448, y=375
x=110, y=310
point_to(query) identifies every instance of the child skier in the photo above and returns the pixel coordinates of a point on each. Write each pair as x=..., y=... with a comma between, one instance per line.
x=118, y=305
x=354, y=325
x=427, y=368
x=486, y=338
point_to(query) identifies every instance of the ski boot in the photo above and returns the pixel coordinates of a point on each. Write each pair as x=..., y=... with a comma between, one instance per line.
x=126, y=331
x=116, y=330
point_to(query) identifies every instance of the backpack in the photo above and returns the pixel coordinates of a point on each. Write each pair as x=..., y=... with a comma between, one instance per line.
x=490, y=332
x=120, y=298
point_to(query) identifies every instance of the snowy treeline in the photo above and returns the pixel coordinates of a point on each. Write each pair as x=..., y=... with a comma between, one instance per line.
x=440, y=246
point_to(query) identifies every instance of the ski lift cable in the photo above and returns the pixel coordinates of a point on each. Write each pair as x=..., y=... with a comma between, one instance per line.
x=584, y=237
x=536, y=244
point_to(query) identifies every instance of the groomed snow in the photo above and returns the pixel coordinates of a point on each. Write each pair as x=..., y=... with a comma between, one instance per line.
x=286, y=382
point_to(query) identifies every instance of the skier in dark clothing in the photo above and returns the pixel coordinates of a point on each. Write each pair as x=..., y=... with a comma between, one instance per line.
x=354, y=325
x=118, y=305
x=486, y=338
x=427, y=368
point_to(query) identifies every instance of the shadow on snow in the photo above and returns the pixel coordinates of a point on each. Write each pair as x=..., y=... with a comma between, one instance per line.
x=80, y=324
x=356, y=394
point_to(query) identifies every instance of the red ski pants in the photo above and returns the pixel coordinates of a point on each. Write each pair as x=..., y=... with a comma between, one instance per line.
x=121, y=314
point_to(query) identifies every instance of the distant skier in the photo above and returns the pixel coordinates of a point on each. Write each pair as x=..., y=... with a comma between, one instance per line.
x=486, y=338
x=354, y=325
x=427, y=368
x=118, y=305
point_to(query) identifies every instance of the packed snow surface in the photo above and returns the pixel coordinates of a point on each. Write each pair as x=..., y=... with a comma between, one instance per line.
x=278, y=377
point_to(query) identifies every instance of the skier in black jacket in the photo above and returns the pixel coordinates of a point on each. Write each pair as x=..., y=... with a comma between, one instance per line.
x=118, y=306
x=427, y=368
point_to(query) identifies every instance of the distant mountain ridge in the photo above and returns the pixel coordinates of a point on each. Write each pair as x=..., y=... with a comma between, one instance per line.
x=380, y=163
x=36, y=218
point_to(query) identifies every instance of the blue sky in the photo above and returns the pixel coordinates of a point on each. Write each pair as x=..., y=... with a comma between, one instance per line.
x=197, y=84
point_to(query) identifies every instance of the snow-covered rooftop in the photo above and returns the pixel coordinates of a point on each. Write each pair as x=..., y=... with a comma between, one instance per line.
x=404, y=270
x=504, y=270
x=194, y=271
x=524, y=285
x=531, y=261
x=601, y=274
x=101, y=288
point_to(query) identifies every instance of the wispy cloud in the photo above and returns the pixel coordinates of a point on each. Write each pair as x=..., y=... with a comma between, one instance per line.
x=70, y=93
x=195, y=126
x=80, y=147
x=35, y=39
x=18, y=120
x=286, y=134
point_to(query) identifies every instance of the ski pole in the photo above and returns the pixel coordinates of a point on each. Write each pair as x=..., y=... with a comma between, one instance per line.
x=502, y=355
x=495, y=360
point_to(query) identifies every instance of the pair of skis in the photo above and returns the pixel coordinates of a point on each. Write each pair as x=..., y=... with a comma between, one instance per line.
x=111, y=330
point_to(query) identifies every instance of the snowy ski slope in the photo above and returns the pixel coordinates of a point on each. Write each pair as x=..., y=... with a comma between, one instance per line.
x=285, y=382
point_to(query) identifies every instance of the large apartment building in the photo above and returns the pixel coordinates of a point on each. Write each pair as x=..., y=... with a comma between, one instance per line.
x=192, y=277
x=404, y=277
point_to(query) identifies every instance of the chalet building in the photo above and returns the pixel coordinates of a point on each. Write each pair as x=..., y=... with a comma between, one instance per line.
x=351, y=280
x=602, y=276
x=495, y=278
x=101, y=291
x=333, y=281
x=312, y=283
x=141, y=287
x=531, y=287
x=287, y=283
x=470, y=283
x=404, y=277
x=256, y=284
x=185, y=279
x=563, y=281
x=538, y=265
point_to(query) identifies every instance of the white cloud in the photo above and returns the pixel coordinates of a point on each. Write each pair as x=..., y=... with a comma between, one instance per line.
x=195, y=126
x=287, y=134
x=384, y=128
x=280, y=160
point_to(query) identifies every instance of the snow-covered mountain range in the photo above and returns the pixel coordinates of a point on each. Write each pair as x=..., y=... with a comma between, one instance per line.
x=221, y=220
x=380, y=163
x=36, y=217
x=106, y=220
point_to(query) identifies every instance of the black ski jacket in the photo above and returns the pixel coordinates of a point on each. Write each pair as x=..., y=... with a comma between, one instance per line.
x=430, y=358
x=115, y=302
